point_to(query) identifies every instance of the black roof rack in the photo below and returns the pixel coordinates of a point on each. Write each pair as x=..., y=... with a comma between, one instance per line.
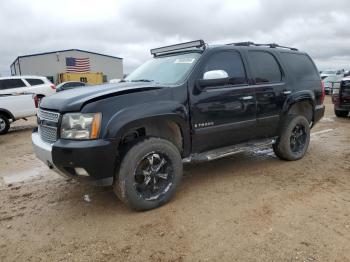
x=183, y=46
x=272, y=45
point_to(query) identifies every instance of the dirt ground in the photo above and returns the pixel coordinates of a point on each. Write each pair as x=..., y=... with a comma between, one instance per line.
x=247, y=207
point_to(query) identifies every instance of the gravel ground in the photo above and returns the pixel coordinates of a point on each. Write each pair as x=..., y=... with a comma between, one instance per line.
x=247, y=207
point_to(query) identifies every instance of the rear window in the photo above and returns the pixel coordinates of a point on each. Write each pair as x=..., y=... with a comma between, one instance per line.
x=265, y=67
x=34, y=82
x=11, y=83
x=301, y=66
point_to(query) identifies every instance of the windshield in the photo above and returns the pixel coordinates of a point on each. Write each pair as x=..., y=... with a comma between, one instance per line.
x=165, y=70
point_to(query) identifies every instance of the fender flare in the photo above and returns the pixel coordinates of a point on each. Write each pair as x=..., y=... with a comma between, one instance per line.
x=302, y=96
x=140, y=115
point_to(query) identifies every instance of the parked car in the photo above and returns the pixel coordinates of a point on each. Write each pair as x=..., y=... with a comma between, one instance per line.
x=38, y=85
x=69, y=85
x=341, y=97
x=14, y=107
x=327, y=73
x=190, y=103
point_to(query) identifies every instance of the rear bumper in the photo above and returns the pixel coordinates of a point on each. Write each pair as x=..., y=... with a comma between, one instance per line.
x=92, y=161
x=319, y=113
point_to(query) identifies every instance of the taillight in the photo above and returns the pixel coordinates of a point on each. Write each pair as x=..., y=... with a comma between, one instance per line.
x=36, y=101
x=53, y=86
x=323, y=92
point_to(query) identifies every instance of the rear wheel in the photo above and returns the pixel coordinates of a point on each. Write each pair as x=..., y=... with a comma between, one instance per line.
x=4, y=124
x=149, y=173
x=341, y=113
x=294, y=138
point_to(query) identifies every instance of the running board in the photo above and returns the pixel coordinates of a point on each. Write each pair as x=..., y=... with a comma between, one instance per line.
x=228, y=151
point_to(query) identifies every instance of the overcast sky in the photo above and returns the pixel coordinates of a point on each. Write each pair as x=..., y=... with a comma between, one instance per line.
x=129, y=28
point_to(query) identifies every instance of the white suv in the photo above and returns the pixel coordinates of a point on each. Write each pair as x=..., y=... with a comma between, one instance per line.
x=38, y=85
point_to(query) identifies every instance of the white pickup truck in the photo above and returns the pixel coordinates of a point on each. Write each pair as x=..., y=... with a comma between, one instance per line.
x=14, y=107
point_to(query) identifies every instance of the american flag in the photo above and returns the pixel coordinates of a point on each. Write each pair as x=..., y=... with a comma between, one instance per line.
x=77, y=65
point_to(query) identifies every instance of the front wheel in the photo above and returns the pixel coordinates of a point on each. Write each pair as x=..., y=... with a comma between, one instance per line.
x=149, y=174
x=341, y=113
x=4, y=124
x=294, y=138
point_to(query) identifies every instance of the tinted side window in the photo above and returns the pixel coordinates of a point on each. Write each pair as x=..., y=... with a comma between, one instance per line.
x=231, y=62
x=35, y=82
x=265, y=68
x=301, y=66
x=11, y=83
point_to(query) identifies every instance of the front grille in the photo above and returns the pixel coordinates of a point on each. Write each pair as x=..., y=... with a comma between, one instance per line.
x=48, y=115
x=48, y=124
x=48, y=133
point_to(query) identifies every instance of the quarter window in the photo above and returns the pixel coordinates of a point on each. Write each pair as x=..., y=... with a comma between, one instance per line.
x=301, y=66
x=231, y=63
x=265, y=68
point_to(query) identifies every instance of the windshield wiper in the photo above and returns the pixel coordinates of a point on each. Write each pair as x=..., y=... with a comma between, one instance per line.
x=142, y=80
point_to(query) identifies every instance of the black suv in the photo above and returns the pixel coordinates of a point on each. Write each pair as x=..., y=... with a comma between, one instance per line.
x=191, y=102
x=341, y=97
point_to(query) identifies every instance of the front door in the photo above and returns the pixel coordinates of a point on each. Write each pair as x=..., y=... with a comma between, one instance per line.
x=12, y=85
x=224, y=113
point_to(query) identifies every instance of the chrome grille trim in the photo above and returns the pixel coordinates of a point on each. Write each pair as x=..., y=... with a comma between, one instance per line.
x=48, y=133
x=48, y=115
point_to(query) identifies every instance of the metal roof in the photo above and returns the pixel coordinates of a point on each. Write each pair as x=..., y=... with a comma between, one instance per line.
x=66, y=50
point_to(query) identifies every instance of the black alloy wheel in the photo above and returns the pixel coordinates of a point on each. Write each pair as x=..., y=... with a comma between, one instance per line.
x=294, y=138
x=153, y=176
x=298, y=139
x=148, y=174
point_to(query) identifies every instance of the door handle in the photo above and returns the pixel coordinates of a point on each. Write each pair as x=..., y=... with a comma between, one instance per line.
x=287, y=92
x=247, y=97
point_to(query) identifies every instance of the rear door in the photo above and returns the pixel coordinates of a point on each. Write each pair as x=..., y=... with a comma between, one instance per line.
x=270, y=89
x=40, y=86
x=223, y=114
x=11, y=86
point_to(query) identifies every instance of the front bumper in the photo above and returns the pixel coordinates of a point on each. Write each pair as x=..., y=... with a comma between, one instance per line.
x=97, y=158
x=42, y=150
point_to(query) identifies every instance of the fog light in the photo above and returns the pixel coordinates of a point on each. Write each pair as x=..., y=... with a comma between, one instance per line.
x=81, y=171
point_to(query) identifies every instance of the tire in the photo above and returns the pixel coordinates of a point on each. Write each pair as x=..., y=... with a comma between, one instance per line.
x=137, y=185
x=341, y=113
x=294, y=138
x=4, y=124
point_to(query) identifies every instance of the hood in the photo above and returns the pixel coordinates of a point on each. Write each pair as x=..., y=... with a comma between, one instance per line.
x=73, y=100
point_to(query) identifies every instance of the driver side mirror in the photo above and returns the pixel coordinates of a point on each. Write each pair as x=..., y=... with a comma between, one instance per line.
x=215, y=74
x=213, y=78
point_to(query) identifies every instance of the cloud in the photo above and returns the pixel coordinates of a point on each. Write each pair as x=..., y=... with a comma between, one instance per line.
x=129, y=28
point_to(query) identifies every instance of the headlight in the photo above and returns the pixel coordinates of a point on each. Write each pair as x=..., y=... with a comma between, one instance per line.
x=81, y=126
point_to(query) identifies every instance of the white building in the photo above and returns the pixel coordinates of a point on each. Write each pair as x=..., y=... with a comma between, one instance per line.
x=51, y=64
